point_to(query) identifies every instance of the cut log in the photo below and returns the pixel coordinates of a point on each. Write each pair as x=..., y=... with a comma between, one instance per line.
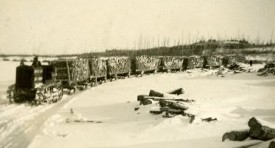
x=171, y=110
x=156, y=111
x=156, y=93
x=209, y=119
x=167, y=115
x=272, y=144
x=178, y=106
x=173, y=104
x=192, y=118
x=142, y=97
x=260, y=131
x=145, y=97
x=146, y=102
x=236, y=135
x=177, y=91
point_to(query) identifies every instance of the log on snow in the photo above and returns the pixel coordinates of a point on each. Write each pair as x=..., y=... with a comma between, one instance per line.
x=160, y=94
x=260, y=131
x=236, y=135
x=145, y=97
x=171, y=110
x=156, y=93
x=173, y=104
x=178, y=91
x=209, y=119
x=156, y=111
x=146, y=102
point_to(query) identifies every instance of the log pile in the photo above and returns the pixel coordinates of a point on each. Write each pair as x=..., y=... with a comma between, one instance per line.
x=118, y=65
x=80, y=70
x=169, y=63
x=269, y=68
x=169, y=105
x=195, y=62
x=97, y=67
x=257, y=130
x=214, y=61
x=74, y=70
x=146, y=63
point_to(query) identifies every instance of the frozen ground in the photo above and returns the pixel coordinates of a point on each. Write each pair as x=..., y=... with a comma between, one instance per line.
x=232, y=99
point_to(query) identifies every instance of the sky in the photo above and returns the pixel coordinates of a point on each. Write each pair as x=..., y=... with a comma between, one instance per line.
x=77, y=26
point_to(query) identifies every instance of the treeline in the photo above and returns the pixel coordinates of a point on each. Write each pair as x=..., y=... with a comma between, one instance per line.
x=199, y=48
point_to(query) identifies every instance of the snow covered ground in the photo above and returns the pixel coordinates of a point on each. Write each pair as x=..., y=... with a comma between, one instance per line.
x=232, y=99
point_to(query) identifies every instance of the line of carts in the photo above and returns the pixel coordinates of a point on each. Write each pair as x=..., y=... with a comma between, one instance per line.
x=47, y=83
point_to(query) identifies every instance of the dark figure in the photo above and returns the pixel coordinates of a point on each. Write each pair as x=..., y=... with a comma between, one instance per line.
x=22, y=63
x=251, y=62
x=35, y=62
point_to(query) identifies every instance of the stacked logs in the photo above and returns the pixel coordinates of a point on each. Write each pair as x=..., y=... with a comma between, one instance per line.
x=118, y=65
x=169, y=105
x=214, y=61
x=80, y=70
x=97, y=67
x=257, y=131
x=74, y=70
x=195, y=62
x=145, y=63
x=171, y=63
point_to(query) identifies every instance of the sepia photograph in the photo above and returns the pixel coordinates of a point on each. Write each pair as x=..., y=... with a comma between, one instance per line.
x=137, y=73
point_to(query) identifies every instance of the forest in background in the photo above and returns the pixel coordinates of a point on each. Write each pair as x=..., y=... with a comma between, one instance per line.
x=202, y=47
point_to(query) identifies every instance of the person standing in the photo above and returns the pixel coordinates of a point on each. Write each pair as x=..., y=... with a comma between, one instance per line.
x=36, y=62
x=250, y=63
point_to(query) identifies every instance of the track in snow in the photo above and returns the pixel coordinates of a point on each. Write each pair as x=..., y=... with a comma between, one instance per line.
x=21, y=123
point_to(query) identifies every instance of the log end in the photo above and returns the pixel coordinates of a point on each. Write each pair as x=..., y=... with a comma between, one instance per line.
x=147, y=102
x=225, y=136
x=236, y=135
x=155, y=93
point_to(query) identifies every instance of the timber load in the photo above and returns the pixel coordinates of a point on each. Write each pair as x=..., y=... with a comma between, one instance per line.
x=171, y=63
x=118, y=65
x=233, y=59
x=98, y=68
x=215, y=61
x=196, y=62
x=71, y=71
x=145, y=63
